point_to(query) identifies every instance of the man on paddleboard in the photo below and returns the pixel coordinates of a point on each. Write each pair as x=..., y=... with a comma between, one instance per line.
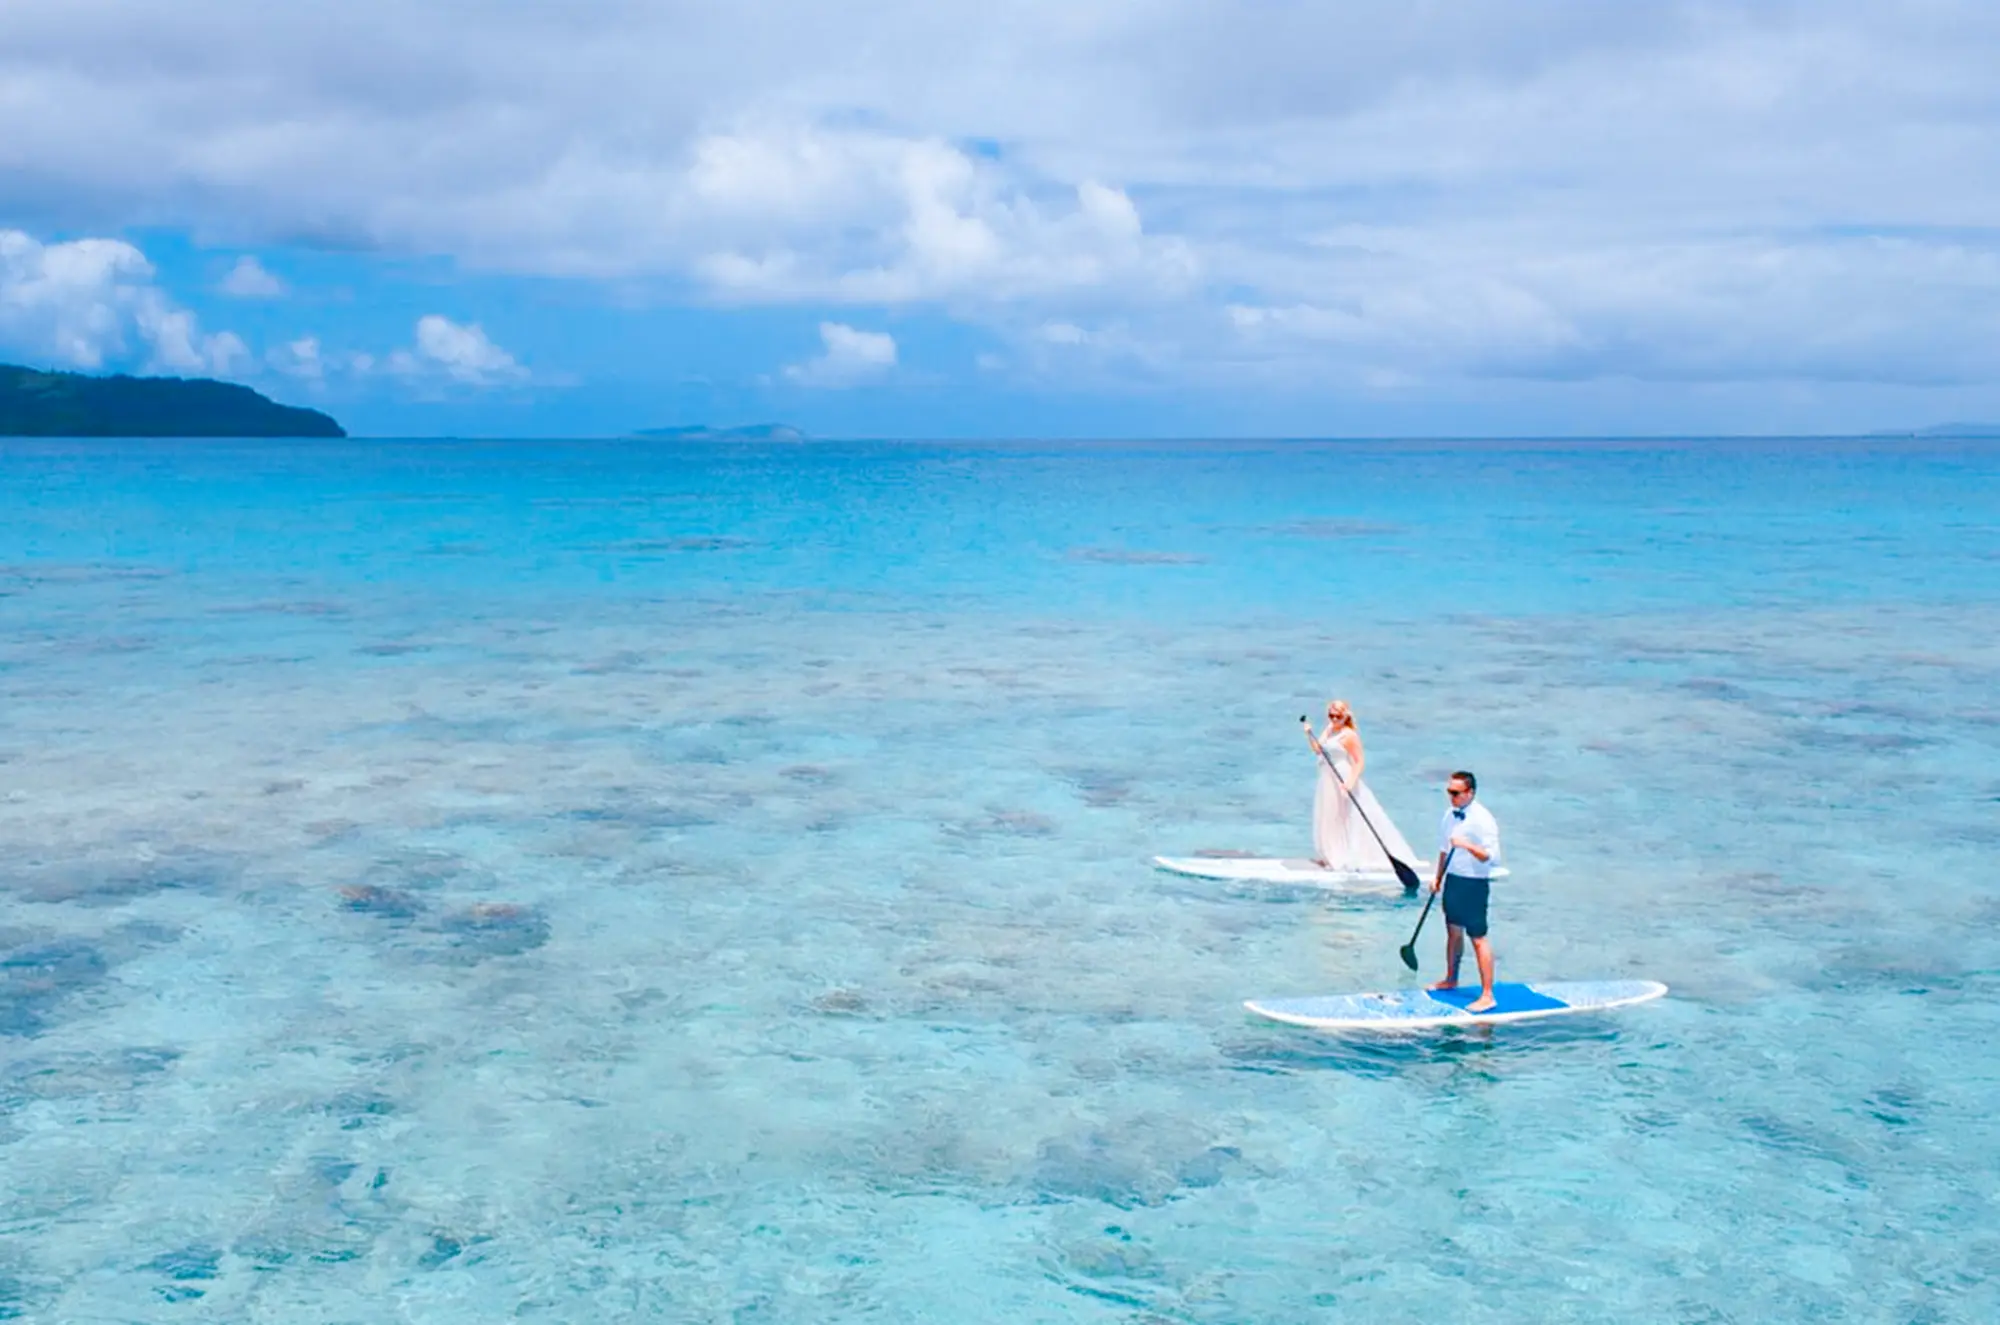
x=1470, y=840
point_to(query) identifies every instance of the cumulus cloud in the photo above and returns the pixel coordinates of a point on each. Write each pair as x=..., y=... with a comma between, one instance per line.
x=1652, y=189
x=299, y=358
x=848, y=357
x=460, y=353
x=872, y=218
x=442, y=353
x=90, y=303
x=179, y=344
x=248, y=279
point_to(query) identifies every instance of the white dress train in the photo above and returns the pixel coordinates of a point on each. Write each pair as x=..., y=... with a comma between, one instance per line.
x=1340, y=838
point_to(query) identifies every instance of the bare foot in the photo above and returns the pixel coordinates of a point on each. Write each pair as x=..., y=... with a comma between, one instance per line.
x=1445, y=984
x=1484, y=1003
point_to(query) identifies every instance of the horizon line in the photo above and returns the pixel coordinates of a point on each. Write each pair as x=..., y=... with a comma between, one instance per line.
x=1973, y=433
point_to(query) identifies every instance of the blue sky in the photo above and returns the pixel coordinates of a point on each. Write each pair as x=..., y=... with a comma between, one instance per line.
x=1087, y=218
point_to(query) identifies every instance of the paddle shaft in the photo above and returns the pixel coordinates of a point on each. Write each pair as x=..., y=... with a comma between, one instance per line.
x=1410, y=948
x=1404, y=874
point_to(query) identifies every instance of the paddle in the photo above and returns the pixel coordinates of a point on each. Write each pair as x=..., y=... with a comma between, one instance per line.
x=1409, y=950
x=1404, y=874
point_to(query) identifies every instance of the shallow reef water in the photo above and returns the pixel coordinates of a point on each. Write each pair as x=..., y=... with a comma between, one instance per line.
x=447, y=881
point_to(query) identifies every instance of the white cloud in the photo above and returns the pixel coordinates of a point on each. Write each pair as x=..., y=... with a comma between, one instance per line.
x=89, y=303
x=463, y=352
x=249, y=279
x=179, y=345
x=1062, y=333
x=70, y=302
x=460, y=353
x=300, y=358
x=866, y=217
x=849, y=357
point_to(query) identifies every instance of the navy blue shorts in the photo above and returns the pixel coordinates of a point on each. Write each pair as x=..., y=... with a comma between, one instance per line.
x=1465, y=903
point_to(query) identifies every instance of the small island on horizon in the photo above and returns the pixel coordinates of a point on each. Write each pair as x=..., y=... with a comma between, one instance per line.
x=1940, y=431
x=42, y=404
x=701, y=432
x=1960, y=430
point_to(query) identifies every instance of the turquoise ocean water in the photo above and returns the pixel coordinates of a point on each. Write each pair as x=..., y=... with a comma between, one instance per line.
x=605, y=882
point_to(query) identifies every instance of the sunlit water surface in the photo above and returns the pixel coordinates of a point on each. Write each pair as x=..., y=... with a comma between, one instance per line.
x=603, y=882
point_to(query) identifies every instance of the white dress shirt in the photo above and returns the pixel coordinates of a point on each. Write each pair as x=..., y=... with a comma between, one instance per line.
x=1478, y=828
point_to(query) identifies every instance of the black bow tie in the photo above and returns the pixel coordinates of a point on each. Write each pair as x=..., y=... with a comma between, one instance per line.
x=1458, y=814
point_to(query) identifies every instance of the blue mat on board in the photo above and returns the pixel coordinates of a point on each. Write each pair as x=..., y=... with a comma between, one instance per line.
x=1506, y=997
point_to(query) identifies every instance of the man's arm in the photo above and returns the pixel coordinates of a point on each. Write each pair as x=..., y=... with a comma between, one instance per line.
x=1478, y=839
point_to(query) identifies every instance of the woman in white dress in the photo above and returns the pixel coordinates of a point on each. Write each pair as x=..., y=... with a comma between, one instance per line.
x=1341, y=841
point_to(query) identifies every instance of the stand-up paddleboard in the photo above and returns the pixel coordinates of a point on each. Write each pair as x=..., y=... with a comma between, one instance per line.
x=1269, y=869
x=1424, y=1009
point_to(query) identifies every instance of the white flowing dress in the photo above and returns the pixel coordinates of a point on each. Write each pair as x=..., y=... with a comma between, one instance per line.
x=1340, y=838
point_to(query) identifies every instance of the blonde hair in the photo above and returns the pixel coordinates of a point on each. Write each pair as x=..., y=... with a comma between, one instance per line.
x=1339, y=710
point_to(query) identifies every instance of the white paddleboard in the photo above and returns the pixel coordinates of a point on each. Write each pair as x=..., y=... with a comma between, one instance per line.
x=1421, y=1009
x=1270, y=869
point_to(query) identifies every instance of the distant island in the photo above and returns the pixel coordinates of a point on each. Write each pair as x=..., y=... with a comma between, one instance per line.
x=1968, y=430
x=38, y=404
x=1961, y=430
x=701, y=432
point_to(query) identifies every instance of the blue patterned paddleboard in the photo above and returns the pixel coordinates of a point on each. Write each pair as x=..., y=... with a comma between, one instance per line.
x=1421, y=1009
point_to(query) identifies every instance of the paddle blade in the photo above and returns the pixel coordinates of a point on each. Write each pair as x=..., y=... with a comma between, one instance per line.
x=1404, y=875
x=1408, y=952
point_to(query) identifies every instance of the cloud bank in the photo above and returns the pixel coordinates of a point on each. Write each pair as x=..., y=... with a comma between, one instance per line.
x=1351, y=192
x=93, y=304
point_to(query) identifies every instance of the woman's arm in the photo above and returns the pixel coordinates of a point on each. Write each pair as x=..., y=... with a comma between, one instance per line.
x=1350, y=741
